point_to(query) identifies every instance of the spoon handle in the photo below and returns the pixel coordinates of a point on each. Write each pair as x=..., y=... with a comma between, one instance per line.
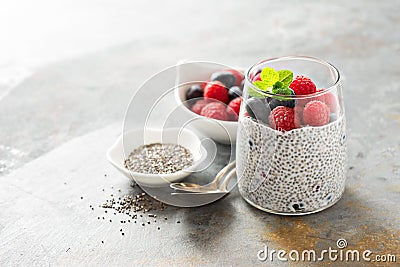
x=222, y=172
x=228, y=177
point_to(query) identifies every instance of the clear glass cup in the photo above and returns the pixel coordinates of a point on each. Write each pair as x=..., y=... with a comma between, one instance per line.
x=298, y=171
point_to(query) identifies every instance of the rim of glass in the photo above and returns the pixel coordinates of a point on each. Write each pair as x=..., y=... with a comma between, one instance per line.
x=307, y=58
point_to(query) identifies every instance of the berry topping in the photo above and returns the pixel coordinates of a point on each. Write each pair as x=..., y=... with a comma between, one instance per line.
x=216, y=90
x=302, y=85
x=316, y=113
x=283, y=119
x=329, y=99
x=256, y=78
x=235, y=104
x=238, y=75
x=199, y=105
x=227, y=78
x=253, y=74
x=234, y=92
x=258, y=109
x=290, y=103
x=215, y=110
x=194, y=91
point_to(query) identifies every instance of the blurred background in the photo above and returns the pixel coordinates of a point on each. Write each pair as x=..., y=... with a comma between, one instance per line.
x=62, y=58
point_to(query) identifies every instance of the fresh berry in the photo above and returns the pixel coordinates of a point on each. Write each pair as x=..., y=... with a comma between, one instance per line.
x=234, y=92
x=242, y=85
x=194, y=91
x=215, y=110
x=274, y=102
x=302, y=85
x=199, y=105
x=216, y=90
x=203, y=85
x=282, y=119
x=225, y=77
x=253, y=74
x=256, y=78
x=235, y=104
x=329, y=99
x=238, y=75
x=316, y=113
x=258, y=109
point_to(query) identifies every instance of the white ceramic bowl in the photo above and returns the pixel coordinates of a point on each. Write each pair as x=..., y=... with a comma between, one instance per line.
x=116, y=155
x=189, y=73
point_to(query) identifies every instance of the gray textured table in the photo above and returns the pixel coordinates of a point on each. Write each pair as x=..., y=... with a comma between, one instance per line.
x=57, y=123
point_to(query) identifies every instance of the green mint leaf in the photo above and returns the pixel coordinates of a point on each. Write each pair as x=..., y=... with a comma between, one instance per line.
x=255, y=93
x=278, y=84
x=269, y=76
x=281, y=91
x=286, y=77
x=260, y=85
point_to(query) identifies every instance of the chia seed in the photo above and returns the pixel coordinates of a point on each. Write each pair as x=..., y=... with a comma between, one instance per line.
x=159, y=158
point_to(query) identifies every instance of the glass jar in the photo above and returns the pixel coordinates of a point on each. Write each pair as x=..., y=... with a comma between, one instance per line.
x=300, y=169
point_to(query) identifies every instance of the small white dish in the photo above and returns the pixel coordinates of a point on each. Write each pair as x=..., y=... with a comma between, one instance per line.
x=131, y=140
x=192, y=72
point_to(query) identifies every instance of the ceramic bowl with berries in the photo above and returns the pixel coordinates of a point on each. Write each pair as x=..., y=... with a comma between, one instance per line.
x=210, y=95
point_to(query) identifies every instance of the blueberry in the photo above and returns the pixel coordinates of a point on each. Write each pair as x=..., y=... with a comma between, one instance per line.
x=273, y=103
x=258, y=109
x=234, y=92
x=225, y=77
x=194, y=91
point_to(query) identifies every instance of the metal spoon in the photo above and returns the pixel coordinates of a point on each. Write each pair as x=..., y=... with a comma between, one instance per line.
x=216, y=186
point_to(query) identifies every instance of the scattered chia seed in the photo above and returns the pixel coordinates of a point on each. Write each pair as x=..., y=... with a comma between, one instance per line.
x=159, y=158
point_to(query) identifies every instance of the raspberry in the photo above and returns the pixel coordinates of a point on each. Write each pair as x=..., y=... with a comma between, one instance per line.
x=316, y=113
x=302, y=85
x=238, y=75
x=283, y=119
x=329, y=99
x=256, y=78
x=199, y=105
x=215, y=110
x=235, y=104
x=216, y=90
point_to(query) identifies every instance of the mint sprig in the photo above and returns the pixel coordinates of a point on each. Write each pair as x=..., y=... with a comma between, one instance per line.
x=285, y=77
x=272, y=81
x=269, y=76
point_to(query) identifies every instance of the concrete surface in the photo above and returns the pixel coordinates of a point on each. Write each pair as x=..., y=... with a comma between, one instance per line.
x=61, y=106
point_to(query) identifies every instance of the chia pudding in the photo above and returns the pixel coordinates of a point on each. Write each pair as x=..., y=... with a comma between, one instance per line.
x=300, y=171
x=291, y=141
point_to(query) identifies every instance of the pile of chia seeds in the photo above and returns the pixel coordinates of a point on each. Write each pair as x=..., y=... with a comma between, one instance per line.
x=159, y=158
x=134, y=206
